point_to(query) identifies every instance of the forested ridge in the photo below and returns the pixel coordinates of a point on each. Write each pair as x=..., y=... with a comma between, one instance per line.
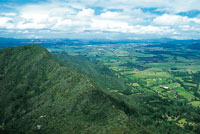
x=39, y=94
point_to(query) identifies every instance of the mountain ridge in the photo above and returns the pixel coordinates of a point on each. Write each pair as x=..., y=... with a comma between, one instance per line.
x=45, y=97
x=39, y=94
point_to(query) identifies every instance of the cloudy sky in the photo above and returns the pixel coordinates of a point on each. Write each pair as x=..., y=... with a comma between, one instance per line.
x=105, y=19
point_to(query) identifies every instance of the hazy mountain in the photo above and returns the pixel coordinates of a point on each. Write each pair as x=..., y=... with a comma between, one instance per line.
x=195, y=46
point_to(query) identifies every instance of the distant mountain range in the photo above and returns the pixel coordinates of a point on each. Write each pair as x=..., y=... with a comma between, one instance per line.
x=8, y=42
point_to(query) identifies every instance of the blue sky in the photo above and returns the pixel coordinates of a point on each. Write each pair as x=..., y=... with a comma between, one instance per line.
x=100, y=19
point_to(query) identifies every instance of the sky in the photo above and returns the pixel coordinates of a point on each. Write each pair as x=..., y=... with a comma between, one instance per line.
x=100, y=19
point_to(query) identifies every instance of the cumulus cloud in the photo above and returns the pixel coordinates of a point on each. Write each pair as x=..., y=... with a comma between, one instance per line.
x=167, y=19
x=125, y=17
x=86, y=13
x=5, y=22
x=113, y=26
x=167, y=5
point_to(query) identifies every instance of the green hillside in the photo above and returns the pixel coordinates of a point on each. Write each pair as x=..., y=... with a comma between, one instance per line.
x=99, y=73
x=38, y=94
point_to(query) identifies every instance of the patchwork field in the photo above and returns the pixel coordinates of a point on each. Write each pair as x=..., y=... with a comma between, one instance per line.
x=168, y=70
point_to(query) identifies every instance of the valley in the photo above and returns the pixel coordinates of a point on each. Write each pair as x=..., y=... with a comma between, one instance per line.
x=171, y=71
x=168, y=70
x=144, y=87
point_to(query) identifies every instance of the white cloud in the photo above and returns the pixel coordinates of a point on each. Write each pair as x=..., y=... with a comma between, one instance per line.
x=152, y=30
x=5, y=23
x=74, y=16
x=109, y=25
x=8, y=14
x=169, y=5
x=111, y=15
x=4, y=20
x=113, y=26
x=60, y=24
x=86, y=13
x=25, y=26
x=195, y=20
x=167, y=19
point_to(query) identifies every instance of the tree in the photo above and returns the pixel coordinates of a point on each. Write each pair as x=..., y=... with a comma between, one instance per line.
x=197, y=129
x=196, y=79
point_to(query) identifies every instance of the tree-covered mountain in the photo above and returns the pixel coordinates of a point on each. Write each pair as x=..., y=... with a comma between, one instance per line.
x=38, y=94
x=99, y=73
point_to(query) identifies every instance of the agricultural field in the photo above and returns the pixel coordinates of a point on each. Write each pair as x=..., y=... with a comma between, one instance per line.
x=156, y=84
x=170, y=70
x=165, y=77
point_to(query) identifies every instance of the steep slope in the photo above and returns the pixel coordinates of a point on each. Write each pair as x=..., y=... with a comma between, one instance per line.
x=39, y=95
x=100, y=74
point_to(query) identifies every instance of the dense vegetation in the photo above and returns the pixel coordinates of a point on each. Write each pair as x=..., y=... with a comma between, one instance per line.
x=39, y=94
x=166, y=70
x=98, y=72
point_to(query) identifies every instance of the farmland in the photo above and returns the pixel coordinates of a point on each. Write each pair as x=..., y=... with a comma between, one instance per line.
x=166, y=69
x=153, y=84
x=163, y=77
